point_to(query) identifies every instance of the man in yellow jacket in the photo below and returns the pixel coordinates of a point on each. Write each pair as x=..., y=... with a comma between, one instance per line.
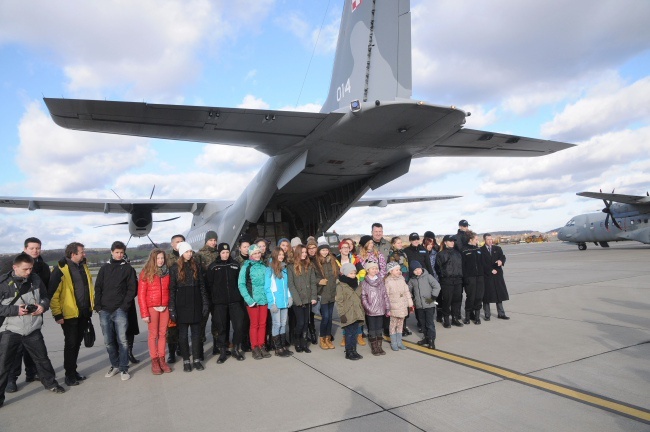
x=72, y=291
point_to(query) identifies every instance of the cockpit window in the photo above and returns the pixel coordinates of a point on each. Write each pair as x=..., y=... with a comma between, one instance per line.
x=571, y=223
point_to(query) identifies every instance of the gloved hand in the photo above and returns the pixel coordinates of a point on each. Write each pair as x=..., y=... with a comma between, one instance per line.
x=172, y=315
x=343, y=319
x=274, y=308
x=291, y=302
x=428, y=300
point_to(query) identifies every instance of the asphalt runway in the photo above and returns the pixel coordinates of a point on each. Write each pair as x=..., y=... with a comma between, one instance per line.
x=575, y=356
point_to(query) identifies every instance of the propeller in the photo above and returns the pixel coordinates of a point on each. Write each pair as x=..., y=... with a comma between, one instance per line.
x=608, y=211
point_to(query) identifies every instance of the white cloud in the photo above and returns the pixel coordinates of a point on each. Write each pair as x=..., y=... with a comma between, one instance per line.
x=57, y=160
x=606, y=110
x=251, y=101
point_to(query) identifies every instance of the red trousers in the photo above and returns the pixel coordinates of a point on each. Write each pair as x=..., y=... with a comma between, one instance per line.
x=257, y=315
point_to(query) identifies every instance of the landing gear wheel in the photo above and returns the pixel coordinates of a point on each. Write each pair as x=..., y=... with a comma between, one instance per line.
x=582, y=246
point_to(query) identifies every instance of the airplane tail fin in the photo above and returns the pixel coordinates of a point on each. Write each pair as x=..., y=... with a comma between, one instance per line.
x=373, y=53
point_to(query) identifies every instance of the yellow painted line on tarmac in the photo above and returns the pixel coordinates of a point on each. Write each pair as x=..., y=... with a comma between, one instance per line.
x=627, y=410
x=631, y=411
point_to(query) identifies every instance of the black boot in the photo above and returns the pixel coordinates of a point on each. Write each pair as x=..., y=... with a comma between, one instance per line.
x=432, y=344
x=477, y=317
x=172, y=353
x=279, y=348
x=486, y=311
x=297, y=339
x=467, y=315
x=215, y=348
x=305, y=344
x=311, y=333
x=237, y=354
x=222, y=355
x=456, y=322
x=446, y=323
x=132, y=358
x=501, y=313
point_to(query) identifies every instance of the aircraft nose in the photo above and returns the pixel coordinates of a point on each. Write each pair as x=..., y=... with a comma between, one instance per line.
x=563, y=235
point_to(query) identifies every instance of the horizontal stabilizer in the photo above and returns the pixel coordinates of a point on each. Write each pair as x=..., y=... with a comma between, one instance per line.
x=383, y=202
x=269, y=131
x=619, y=198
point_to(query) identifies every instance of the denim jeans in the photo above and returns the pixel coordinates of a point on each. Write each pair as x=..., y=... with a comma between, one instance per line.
x=279, y=322
x=326, y=310
x=114, y=326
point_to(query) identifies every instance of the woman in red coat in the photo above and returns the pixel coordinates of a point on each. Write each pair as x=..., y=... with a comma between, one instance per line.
x=153, y=297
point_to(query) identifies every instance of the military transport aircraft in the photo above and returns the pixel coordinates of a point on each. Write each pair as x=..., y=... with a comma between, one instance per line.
x=320, y=164
x=626, y=219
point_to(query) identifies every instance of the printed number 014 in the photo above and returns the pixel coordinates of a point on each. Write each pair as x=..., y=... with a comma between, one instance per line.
x=342, y=90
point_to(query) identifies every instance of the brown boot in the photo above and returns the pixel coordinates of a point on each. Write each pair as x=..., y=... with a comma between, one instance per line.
x=163, y=365
x=360, y=340
x=374, y=342
x=328, y=341
x=322, y=343
x=155, y=366
x=342, y=340
x=380, y=340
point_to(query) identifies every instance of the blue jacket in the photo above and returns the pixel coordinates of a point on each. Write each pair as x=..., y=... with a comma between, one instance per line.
x=277, y=290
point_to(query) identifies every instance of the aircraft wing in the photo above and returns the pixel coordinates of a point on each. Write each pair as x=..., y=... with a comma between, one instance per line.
x=107, y=206
x=472, y=142
x=619, y=198
x=383, y=202
x=269, y=131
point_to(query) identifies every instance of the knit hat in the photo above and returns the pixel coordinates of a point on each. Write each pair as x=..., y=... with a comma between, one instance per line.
x=283, y=239
x=363, y=241
x=415, y=265
x=223, y=247
x=311, y=242
x=183, y=247
x=295, y=242
x=414, y=236
x=429, y=234
x=254, y=248
x=391, y=265
x=322, y=243
x=211, y=235
x=370, y=264
x=348, y=268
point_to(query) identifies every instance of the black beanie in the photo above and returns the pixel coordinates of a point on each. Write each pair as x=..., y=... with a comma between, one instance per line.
x=223, y=247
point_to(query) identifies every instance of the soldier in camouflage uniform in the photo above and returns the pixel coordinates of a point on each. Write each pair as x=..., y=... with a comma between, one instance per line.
x=206, y=256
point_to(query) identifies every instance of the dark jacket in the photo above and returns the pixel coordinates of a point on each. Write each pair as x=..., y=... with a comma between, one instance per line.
x=302, y=286
x=115, y=286
x=418, y=254
x=222, y=282
x=462, y=240
x=495, y=284
x=327, y=291
x=449, y=264
x=188, y=301
x=472, y=261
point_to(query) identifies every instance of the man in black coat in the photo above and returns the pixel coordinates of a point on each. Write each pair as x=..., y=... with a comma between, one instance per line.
x=33, y=249
x=115, y=290
x=462, y=237
x=495, y=285
x=227, y=304
x=473, y=279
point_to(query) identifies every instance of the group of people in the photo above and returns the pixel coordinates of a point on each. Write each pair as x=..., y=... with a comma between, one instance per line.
x=259, y=300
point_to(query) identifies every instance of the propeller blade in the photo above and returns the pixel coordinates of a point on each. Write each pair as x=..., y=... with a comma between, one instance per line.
x=118, y=223
x=167, y=220
x=616, y=223
x=154, y=188
x=607, y=222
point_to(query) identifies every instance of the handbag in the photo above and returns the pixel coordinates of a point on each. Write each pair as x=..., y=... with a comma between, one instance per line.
x=89, y=335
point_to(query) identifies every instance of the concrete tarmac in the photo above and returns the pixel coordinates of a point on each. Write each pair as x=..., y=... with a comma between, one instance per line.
x=575, y=355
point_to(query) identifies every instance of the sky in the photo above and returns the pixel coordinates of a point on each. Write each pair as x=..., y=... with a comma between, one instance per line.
x=575, y=71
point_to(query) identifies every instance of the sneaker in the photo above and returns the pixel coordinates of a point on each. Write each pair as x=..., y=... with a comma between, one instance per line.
x=112, y=372
x=57, y=389
x=124, y=376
